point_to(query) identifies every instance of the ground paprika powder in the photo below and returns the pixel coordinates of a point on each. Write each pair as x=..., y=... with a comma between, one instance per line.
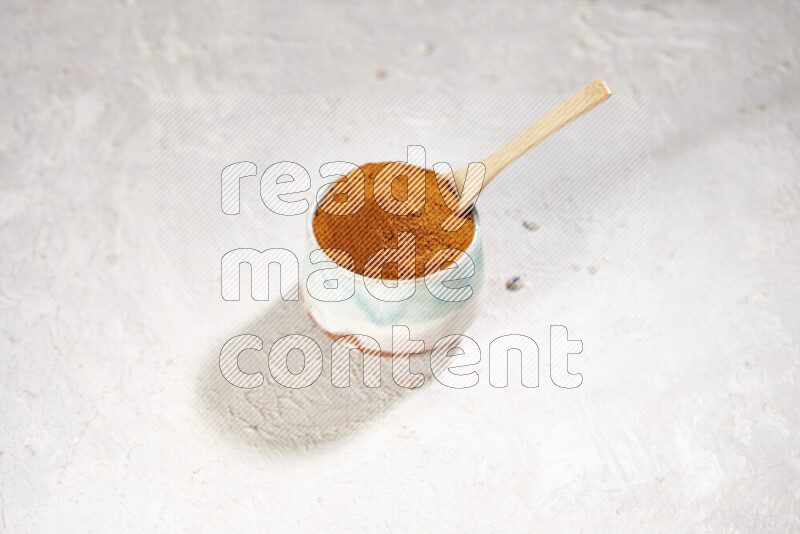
x=372, y=228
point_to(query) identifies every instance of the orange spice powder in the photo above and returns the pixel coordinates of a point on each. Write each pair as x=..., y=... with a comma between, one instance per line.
x=372, y=228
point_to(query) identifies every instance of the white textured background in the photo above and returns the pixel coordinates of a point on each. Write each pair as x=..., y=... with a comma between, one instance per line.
x=689, y=423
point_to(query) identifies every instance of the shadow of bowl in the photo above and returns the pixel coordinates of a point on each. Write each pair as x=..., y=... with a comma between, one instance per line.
x=272, y=417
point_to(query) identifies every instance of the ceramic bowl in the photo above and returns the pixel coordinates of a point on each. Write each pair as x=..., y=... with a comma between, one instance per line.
x=431, y=313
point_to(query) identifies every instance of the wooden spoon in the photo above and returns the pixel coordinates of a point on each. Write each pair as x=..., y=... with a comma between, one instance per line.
x=552, y=121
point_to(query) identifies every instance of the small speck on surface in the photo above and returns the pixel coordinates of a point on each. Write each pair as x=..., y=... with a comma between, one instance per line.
x=424, y=49
x=381, y=74
x=530, y=226
x=592, y=270
x=514, y=283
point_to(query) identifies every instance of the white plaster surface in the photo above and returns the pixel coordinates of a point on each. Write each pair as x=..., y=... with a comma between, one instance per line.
x=113, y=417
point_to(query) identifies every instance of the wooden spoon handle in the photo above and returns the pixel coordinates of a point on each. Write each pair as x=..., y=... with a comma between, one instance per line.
x=552, y=121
